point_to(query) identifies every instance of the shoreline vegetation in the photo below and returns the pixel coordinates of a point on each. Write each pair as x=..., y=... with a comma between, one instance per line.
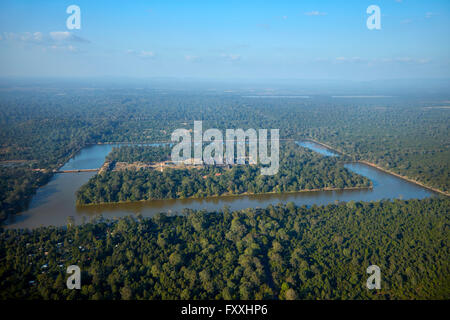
x=406, y=178
x=331, y=149
x=301, y=170
x=228, y=195
x=383, y=169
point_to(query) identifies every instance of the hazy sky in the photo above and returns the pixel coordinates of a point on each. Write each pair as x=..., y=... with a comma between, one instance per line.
x=226, y=39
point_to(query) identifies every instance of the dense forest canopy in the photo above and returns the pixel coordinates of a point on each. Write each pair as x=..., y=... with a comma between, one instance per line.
x=281, y=252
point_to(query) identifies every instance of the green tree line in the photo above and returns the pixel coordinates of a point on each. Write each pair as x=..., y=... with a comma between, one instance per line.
x=280, y=252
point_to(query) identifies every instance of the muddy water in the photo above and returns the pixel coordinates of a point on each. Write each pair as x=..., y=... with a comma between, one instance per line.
x=55, y=202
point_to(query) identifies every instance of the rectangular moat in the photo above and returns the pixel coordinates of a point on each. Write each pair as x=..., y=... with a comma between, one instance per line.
x=55, y=202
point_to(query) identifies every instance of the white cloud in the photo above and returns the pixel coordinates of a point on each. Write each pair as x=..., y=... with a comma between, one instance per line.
x=351, y=59
x=49, y=39
x=64, y=48
x=231, y=57
x=429, y=15
x=38, y=36
x=372, y=62
x=66, y=36
x=315, y=13
x=60, y=35
x=411, y=60
x=141, y=54
x=58, y=41
x=8, y=35
x=35, y=37
x=147, y=54
x=192, y=58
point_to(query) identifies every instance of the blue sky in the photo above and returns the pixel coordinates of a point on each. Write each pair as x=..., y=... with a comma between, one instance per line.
x=226, y=39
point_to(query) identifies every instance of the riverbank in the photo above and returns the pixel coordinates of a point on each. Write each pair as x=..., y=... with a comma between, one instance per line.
x=231, y=195
x=383, y=169
x=325, y=145
x=405, y=178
